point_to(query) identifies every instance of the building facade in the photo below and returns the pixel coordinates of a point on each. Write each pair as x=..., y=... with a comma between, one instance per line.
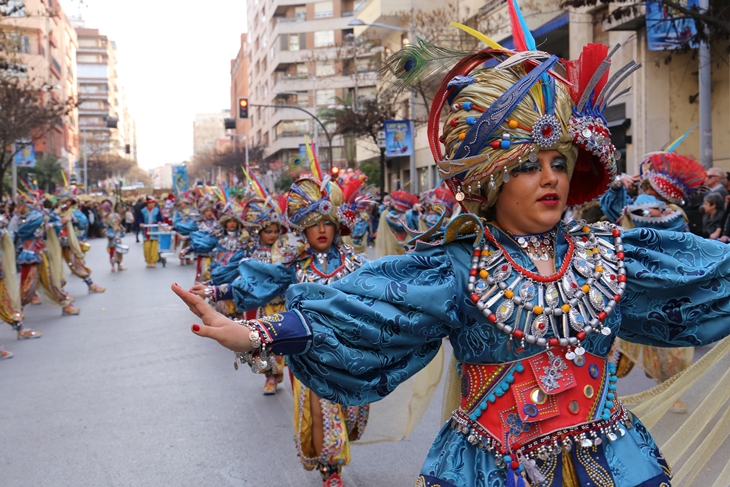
x=45, y=43
x=300, y=54
x=103, y=112
x=208, y=129
x=239, y=89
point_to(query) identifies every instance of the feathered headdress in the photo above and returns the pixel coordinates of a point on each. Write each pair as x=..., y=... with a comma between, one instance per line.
x=310, y=200
x=672, y=176
x=490, y=130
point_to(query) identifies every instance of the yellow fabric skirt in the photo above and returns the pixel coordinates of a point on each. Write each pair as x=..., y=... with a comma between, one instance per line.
x=151, y=251
x=341, y=426
x=7, y=312
x=40, y=273
x=76, y=264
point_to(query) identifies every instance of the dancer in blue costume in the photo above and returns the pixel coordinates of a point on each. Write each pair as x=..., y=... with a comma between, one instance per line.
x=184, y=222
x=531, y=305
x=323, y=429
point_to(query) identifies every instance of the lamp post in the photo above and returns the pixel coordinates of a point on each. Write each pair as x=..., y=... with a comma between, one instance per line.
x=411, y=99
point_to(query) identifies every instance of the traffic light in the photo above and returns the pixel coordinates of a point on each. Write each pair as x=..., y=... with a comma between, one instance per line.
x=243, y=108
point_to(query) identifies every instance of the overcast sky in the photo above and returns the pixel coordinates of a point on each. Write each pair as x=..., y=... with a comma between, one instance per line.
x=174, y=61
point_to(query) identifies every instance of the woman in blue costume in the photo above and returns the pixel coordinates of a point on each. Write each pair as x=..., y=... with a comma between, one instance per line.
x=531, y=305
x=201, y=243
x=263, y=221
x=392, y=235
x=323, y=429
x=666, y=179
x=184, y=222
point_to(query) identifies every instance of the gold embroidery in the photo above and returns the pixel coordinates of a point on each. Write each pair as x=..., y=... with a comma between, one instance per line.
x=593, y=469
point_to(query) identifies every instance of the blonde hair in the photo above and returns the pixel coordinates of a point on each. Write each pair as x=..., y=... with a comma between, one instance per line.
x=489, y=84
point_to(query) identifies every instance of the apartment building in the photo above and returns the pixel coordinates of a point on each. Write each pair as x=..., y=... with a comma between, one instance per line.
x=45, y=44
x=299, y=54
x=101, y=96
x=239, y=89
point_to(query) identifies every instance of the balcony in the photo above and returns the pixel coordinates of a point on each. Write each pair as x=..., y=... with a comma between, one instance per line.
x=328, y=82
x=283, y=143
x=314, y=25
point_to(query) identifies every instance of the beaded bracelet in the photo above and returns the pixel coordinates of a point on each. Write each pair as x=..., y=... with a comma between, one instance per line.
x=258, y=358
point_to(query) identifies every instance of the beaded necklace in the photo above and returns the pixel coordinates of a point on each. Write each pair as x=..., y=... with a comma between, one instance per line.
x=570, y=311
x=538, y=246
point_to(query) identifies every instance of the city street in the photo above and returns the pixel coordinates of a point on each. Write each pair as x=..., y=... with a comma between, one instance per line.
x=125, y=395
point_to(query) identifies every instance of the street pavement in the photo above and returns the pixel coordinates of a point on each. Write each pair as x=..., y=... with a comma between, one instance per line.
x=125, y=395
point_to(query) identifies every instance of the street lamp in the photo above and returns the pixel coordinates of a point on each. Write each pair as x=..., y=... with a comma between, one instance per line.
x=412, y=98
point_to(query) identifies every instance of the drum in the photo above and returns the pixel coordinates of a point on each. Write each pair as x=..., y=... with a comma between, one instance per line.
x=121, y=248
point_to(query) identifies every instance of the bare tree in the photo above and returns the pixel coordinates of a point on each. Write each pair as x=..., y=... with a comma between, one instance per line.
x=364, y=120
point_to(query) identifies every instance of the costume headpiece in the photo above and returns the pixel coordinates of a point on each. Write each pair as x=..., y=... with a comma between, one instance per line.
x=501, y=116
x=402, y=200
x=356, y=201
x=310, y=200
x=441, y=196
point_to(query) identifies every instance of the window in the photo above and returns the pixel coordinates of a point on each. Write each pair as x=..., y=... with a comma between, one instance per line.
x=271, y=53
x=92, y=105
x=325, y=97
x=293, y=42
x=323, y=9
x=300, y=14
x=87, y=58
x=325, y=68
x=20, y=43
x=292, y=128
x=324, y=38
x=302, y=71
x=88, y=43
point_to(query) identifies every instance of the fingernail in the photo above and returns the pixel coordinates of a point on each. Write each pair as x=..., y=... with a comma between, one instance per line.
x=196, y=328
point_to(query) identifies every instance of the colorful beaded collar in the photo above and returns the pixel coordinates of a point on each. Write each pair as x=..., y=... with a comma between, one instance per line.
x=552, y=303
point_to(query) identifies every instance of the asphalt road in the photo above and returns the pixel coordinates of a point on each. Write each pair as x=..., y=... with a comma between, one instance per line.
x=125, y=395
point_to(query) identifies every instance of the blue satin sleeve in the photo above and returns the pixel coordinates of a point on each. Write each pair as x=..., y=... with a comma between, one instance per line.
x=614, y=201
x=202, y=242
x=677, y=289
x=260, y=283
x=184, y=228
x=225, y=274
x=373, y=329
x=411, y=219
x=27, y=229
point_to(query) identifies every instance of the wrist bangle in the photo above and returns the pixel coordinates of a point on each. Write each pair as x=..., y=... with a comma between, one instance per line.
x=258, y=358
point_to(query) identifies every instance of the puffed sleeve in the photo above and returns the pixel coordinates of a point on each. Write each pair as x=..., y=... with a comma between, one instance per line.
x=260, y=283
x=677, y=289
x=225, y=274
x=184, y=228
x=614, y=201
x=354, y=341
x=202, y=242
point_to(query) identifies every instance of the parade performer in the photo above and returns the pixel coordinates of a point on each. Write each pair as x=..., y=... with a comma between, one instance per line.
x=531, y=305
x=151, y=215
x=359, y=203
x=666, y=179
x=263, y=220
x=39, y=260
x=392, y=235
x=74, y=226
x=114, y=234
x=202, y=239
x=323, y=428
x=11, y=310
x=184, y=222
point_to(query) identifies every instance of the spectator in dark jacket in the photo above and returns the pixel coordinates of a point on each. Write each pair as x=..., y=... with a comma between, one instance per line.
x=714, y=210
x=138, y=216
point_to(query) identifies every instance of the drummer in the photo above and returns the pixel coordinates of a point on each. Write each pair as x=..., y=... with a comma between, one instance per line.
x=151, y=215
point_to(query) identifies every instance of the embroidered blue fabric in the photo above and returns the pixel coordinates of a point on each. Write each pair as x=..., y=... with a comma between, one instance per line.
x=26, y=235
x=377, y=327
x=614, y=201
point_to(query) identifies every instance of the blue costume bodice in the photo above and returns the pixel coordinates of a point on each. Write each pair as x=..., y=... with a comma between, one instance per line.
x=29, y=238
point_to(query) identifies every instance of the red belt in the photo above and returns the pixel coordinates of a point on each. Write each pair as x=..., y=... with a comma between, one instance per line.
x=519, y=402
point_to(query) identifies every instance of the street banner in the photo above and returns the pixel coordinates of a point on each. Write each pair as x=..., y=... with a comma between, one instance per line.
x=24, y=154
x=398, y=138
x=181, y=182
x=666, y=28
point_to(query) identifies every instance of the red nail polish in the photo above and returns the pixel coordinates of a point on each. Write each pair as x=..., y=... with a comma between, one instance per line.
x=196, y=328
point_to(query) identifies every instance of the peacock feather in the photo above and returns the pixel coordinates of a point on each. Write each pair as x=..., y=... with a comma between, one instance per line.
x=417, y=62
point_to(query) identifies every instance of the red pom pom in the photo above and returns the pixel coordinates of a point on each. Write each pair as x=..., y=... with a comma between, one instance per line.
x=515, y=465
x=519, y=334
x=616, y=298
x=602, y=316
x=621, y=278
x=581, y=335
x=474, y=297
x=496, y=144
x=473, y=272
x=554, y=342
x=620, y=256
x=616, y=232
x=492, y=318
x=477, y=253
